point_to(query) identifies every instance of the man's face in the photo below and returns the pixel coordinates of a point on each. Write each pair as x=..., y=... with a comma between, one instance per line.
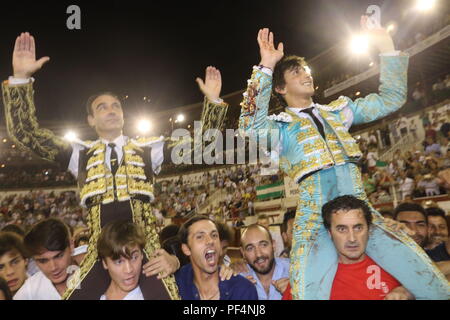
x=258, y=250
x=125, y=272
x=437, y=230
x=299, y=83
x=54, y=264
x=349, y=232
x=203, y=246
x=107, y=114
x=13, y=268
x=287, y=236
x=415, y=221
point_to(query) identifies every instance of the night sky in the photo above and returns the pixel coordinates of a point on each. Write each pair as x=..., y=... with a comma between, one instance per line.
x=157, y=48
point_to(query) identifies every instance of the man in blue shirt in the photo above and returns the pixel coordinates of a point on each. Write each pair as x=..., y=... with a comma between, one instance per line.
x=199, y=280
x=269, y=274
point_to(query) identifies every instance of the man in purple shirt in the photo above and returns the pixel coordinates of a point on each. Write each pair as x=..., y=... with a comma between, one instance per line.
x=199, y=280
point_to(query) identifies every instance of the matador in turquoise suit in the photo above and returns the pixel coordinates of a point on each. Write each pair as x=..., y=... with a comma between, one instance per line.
x=317, y=151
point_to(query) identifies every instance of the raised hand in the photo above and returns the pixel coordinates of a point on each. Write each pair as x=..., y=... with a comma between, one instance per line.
x=379, y=37
x=269, y=55
x=24, y=57
x=281, y=284
x=212, y=85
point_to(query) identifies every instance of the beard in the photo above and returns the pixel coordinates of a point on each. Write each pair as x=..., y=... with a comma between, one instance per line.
x=420, y=240
x=265, y=270
x=437, y=239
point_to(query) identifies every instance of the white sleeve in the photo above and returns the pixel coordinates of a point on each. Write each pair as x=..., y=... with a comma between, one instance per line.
x=390, y=54
x=16, y=81
x=74, y=159
x=157, y=154
x=348, y=117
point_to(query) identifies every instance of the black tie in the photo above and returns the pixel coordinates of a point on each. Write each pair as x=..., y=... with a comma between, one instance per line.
x=316, y=121
x=114, y=160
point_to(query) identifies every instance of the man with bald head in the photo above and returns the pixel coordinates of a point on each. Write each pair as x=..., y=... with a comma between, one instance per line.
x=269, y=274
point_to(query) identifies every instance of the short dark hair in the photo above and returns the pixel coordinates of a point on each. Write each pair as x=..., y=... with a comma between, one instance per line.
x=258, y=226
x=407, y=206
x=117, y=238
x=11, y=241
x=386, y=212
x=183, y=234
x=345, y=203
x=173, y=246
x=290, y=214
x=92, y=98
x=168, y=232
x=435, y=212
x=225, y=233
x=50, y=234
x=5, y=289
x=15, y=229
x=278, y=81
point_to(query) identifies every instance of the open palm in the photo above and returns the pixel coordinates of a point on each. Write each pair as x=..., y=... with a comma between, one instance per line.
x=24, y=57
x=269, y=54
x=212, y=85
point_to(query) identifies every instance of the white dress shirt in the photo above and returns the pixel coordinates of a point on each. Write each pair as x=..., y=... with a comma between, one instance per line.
x=157, y=154
x=37, y=287
x=135, y=294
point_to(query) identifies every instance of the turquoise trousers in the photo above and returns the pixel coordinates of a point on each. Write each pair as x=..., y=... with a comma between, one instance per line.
x=314, y=259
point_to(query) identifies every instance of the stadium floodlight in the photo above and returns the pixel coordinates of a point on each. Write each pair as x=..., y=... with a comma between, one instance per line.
x=180, y=118
x=144, y=126
x=70, y=136
x=425, y=5
x=360, y=44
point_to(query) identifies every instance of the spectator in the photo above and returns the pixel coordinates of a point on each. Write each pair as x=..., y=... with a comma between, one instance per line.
x=431, y=146
x=287, y=228
x=413, y=129
x=13, y=262
x=407, y=185
x=437, y=227
x=49, y=245
x=430, y=185
x=372, y=158
x=199, y=280
x=120, y=247
x=270, y=274
x=415, y=218
x=430, y=132
x=348, y=221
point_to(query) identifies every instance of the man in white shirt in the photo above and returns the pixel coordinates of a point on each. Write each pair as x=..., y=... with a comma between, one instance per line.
x=120, y=247
x=50, y=245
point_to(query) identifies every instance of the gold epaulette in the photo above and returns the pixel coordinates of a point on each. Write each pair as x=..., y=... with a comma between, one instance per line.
x=146, y=141
x=336, y=105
